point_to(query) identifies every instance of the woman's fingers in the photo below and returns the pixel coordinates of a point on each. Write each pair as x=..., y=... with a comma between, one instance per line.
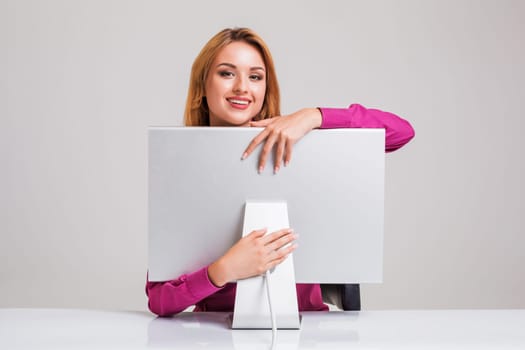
x=257, y=233
x=271, y=237
x=261, y=123
x=259, y=138
x=288, y=155
x=283, y=133
x=282, y=241
x=281, y=256
x=279, y=153
x=272, y=135
x=258, y=250
x=267, y=148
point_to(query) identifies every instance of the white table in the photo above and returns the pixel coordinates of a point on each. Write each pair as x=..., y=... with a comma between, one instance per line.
x=90, y=329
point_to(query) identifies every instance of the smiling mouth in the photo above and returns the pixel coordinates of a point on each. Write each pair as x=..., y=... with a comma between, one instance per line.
x=238, y=102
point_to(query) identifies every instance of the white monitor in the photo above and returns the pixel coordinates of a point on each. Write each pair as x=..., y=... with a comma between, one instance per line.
x=333, y=188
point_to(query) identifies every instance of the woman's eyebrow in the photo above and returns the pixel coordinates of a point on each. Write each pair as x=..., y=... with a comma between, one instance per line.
x=235, y=67
x=227, y=65
x=258, y=68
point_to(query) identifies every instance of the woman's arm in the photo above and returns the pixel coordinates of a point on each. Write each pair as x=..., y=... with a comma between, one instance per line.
x=171, y=297
x=252, y=255
x=284, y=132
x=398, y=132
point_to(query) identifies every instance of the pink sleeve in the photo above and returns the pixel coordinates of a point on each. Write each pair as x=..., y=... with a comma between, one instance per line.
x=171, y=297
x=398, y=131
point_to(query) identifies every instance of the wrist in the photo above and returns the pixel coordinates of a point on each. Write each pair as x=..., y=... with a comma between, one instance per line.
x=316, y=117
x=217, y=273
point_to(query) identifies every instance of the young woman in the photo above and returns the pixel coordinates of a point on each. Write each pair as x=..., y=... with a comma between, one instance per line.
x=233, y=83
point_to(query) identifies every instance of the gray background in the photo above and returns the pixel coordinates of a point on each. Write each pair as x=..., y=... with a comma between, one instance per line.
x=81, y=80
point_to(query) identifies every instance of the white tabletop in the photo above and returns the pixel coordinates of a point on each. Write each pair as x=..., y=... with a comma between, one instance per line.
x=87, y=329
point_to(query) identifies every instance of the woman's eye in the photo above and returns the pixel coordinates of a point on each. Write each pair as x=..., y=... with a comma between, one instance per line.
x=226, y=74
x=256, y=77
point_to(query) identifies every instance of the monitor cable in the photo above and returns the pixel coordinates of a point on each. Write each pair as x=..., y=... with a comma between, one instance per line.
x=272, y=313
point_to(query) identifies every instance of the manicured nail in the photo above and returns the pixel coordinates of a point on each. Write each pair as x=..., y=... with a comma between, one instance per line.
x=244, y=155
x=275, y=170
x=260, y=169
x=286, y=163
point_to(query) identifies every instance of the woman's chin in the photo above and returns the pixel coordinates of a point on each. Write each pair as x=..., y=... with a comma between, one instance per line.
x=232, y=121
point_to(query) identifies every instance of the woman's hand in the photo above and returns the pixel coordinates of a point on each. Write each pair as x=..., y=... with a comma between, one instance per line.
x=252, y=255
x=283, y=132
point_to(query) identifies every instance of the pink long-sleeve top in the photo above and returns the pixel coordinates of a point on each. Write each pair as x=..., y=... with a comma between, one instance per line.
x=171, y=297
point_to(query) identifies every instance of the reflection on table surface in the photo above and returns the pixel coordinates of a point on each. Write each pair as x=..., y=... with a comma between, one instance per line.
x=92, y=329
x=318, y=330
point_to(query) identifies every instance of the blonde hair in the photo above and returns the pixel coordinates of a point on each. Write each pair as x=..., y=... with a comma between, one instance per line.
x=196, y=112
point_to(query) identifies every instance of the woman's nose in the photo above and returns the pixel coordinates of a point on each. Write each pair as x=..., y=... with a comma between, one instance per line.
x=241, y=85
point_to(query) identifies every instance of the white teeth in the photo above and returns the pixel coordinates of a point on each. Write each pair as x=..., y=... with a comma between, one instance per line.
x=239, y=102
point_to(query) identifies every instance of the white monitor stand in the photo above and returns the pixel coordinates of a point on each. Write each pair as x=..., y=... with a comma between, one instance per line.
x=252, y=307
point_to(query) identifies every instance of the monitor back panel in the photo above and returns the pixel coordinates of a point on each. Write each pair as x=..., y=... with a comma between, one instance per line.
x=334, y=187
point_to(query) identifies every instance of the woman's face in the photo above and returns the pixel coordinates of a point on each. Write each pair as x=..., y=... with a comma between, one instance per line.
x=236, y=85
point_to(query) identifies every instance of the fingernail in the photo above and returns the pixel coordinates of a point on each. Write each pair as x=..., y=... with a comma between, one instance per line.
x=286, y=163
x=260, y=169
x=244, y=155
x=275, y=170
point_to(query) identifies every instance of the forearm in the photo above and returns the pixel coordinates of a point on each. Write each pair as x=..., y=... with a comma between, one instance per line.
x=171, y=297
x=398, y=131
